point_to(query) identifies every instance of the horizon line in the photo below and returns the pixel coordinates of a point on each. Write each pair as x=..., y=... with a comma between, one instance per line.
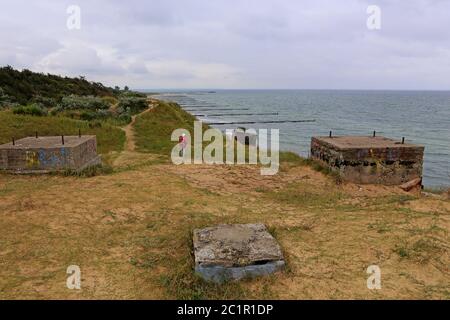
x=283, y=89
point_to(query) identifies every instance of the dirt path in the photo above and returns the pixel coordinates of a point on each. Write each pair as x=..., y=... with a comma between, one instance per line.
x=130, y=145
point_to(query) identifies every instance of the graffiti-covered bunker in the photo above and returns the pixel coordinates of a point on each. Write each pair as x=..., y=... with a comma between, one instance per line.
x=47, y=154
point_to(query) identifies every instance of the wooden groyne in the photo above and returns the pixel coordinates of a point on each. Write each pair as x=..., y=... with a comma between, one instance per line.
x=236, y=114
x=254, y=122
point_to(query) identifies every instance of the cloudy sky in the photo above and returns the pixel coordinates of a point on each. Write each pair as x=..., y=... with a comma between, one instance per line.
x=310, y=44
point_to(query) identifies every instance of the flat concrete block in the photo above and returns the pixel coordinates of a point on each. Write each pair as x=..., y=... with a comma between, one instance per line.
x=232, y=252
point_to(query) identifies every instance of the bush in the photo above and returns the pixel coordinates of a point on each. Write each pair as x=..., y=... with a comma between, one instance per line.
x=125, y=118
x=5, y=100
x=46, y=102
x=34, y=109
x=132, y=94
x=109, y=100
x=73, y=102
x=131, y=105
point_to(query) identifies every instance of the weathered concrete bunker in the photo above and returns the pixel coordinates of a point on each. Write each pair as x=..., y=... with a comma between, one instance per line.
x=369, y=160
x=46, y=154
x=232, y=252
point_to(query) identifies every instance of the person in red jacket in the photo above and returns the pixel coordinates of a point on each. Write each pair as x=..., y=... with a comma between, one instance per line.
x=183, y=142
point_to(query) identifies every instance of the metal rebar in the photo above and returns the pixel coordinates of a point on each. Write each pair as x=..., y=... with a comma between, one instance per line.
x=36, y=134
x=62, y=139
x=403, y=140
x=14, y=141
x=79, y=133
x=374, y=133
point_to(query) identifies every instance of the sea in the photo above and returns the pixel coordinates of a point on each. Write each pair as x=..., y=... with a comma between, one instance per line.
x=421, y=117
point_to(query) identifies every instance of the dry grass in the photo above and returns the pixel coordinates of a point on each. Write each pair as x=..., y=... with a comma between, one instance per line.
x=130, y=234
x=130, y=231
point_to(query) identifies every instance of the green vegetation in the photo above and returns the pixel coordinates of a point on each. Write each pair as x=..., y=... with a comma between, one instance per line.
x=30, y=93
x=91, y=171
x=74, y=102
x=34, y=109
x=25, y=86
x=154, y=129
x=109, y=138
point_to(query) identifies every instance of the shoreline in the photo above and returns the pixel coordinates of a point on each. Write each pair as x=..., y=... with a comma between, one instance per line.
x=432, y=180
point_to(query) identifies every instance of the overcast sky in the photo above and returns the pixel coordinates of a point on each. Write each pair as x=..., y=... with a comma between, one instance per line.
x=311, y=44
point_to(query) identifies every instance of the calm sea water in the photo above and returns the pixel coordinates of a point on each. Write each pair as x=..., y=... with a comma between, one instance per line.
x=420, y=117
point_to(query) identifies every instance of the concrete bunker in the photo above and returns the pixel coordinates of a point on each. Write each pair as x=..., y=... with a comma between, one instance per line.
x=369, y=160
x=50, y=153
x=232, y=252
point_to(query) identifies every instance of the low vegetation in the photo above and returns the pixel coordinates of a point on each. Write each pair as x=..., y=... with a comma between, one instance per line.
x=154, y=129
x=109, y=138
x=23, y=87
x=36, y=94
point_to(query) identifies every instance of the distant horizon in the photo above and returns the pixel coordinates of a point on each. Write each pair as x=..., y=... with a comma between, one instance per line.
x=150, y=90
x=279, y=89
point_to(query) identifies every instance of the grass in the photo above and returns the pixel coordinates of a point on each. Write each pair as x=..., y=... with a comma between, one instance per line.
x=91, y=171
x=109, y=138
x=153, y=129
x=130, y=232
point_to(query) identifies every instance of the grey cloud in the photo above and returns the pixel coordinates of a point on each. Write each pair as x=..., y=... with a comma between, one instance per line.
x=241, y=44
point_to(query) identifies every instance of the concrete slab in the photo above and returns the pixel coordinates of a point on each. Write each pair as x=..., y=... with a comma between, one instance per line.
x=232, y=252
x=350, y=142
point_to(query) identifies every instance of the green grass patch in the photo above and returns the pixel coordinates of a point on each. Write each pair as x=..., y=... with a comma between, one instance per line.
x=91, y=171
x=154, y=129
x=303, y=195
x=109, y=138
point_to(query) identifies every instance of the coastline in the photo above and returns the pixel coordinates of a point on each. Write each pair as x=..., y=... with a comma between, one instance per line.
x=297, y=137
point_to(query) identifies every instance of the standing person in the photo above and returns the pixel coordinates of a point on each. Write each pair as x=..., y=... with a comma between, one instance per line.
x=183, y=141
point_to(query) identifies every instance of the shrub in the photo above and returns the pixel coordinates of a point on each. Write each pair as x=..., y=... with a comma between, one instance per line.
x=34, y=109
x=5, y=100
x=46, y=102
x=109, y=100
x=125, y=118
x=131, y=105
x=132, y=94
x=73, y=102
